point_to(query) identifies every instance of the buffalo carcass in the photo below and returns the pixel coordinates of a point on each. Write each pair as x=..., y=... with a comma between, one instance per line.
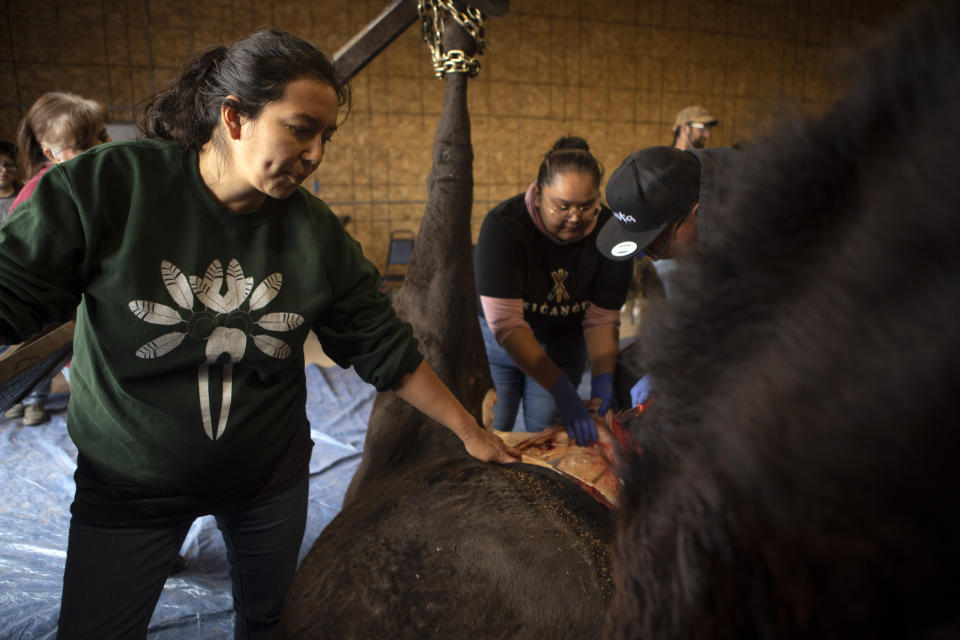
x=431, y=543
x=801, y=475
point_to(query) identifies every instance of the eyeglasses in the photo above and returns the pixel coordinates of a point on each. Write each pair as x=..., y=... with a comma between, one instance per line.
x=585, y=212
x=8, y=165
x=700, y=125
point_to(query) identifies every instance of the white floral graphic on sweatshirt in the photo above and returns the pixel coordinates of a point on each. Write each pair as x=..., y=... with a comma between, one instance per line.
x=221, y=323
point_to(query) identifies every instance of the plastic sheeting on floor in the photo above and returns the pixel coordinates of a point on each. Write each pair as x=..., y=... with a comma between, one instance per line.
x=36, y=481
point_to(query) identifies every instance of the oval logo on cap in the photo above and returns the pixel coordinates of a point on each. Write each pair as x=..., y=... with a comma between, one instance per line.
x=624, y=248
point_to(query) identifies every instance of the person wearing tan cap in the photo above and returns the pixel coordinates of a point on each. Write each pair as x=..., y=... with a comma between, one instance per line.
x=691, y=128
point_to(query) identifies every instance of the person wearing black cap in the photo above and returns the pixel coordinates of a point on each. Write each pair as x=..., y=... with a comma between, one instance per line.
x=663, y=200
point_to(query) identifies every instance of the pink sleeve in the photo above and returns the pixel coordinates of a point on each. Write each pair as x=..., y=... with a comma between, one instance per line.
x=28, y=188
x=503, y=315
x=598, y=317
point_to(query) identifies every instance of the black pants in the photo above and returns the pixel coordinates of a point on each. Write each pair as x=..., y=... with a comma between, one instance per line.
x=114, y=576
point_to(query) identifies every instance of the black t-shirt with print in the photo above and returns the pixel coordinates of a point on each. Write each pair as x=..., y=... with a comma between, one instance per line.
x=557, y=282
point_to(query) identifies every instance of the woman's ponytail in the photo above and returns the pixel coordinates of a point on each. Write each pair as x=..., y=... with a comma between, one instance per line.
x=187, y=111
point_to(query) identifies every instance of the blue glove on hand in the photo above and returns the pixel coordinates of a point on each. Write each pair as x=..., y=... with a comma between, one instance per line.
x=602, y=387
x=579, y=423
x=640, y=392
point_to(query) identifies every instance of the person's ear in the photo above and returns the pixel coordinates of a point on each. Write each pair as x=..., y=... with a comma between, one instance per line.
x=695, y=210
x=49, y=154
x=230, y=117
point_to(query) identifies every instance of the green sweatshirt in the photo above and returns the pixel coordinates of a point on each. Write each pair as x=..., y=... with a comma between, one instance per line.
x=188, y=370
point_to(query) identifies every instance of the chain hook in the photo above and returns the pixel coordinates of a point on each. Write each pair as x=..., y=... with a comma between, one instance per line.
x=432, y=15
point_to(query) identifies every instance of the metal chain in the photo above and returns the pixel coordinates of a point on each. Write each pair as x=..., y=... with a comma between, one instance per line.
x=432, y=14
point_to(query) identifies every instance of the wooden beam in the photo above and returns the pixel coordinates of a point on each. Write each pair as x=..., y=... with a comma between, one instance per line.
x=19, y=358
x=23, y=366
x=374, y=38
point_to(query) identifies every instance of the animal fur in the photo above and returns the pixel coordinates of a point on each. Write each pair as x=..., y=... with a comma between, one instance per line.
x=801, y=475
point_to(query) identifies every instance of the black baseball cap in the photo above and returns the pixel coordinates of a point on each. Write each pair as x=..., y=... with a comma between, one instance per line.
x=649, y=190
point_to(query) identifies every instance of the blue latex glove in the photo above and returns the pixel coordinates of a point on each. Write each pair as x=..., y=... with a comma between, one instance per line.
x=602, y=387
x=579, y=423
x=640, y=392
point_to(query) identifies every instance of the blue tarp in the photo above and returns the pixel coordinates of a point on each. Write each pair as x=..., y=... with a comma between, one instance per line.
x=36, y=480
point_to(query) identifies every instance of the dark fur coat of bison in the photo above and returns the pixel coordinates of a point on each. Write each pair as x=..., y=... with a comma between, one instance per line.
x=802, y=469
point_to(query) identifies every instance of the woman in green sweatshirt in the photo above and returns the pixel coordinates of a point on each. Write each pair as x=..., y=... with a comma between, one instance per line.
x=199, y=265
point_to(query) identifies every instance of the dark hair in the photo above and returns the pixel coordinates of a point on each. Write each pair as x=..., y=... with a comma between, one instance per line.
x=55, y=120
x=255, y=70
x=8, y=148
x=568, y=154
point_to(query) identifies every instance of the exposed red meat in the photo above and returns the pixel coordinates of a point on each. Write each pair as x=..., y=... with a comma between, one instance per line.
x=590, y=467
